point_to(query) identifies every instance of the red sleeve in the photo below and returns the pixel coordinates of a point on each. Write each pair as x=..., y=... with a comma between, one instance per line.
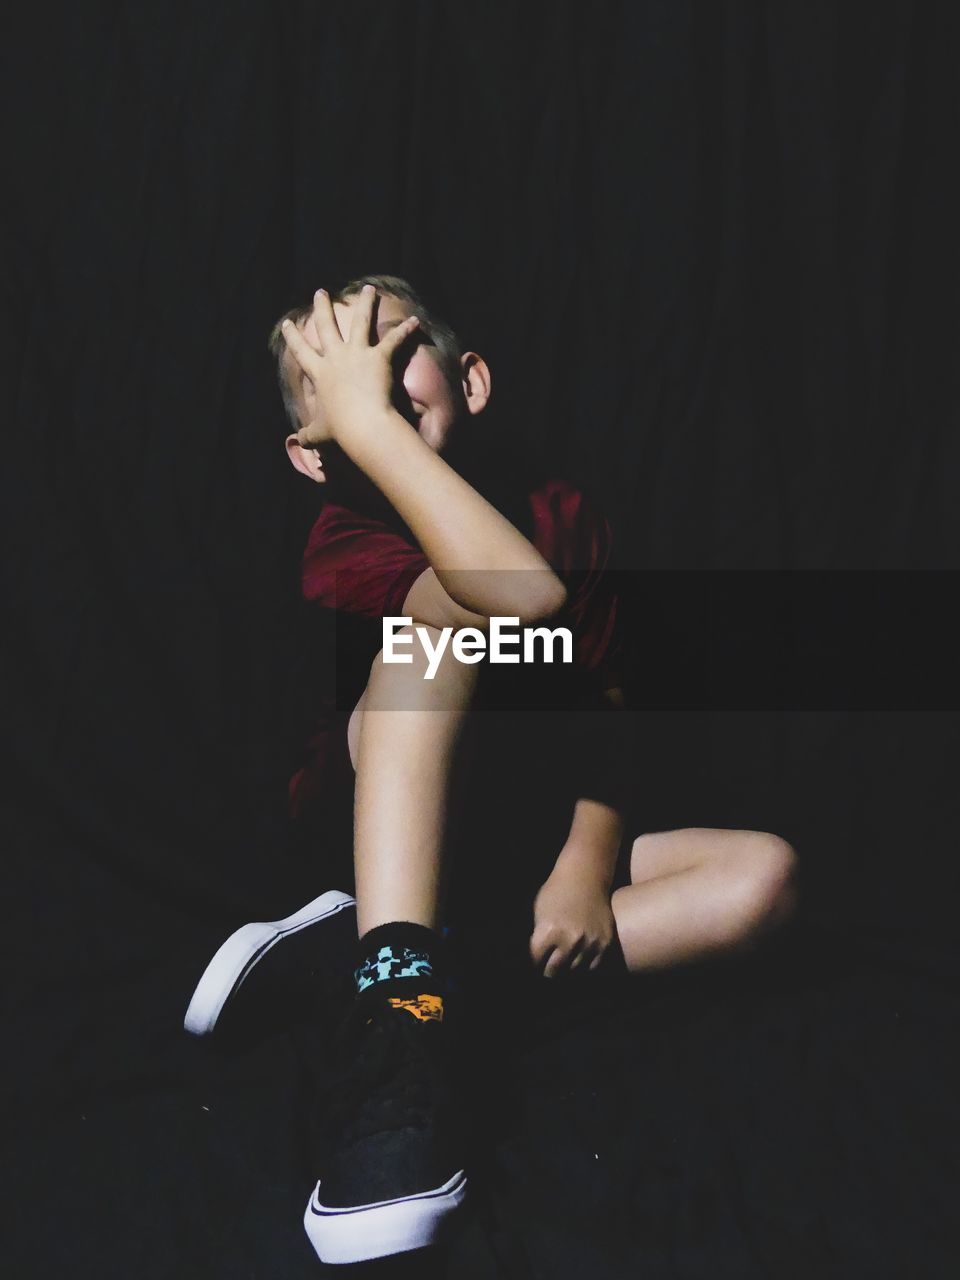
x=574, y=536
x=358, y=565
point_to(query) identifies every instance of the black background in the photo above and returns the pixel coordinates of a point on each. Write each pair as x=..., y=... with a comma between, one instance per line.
x=710, y=253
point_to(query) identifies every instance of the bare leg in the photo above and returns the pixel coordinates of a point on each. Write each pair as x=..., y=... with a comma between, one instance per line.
x=701, y=891
x=402, y=736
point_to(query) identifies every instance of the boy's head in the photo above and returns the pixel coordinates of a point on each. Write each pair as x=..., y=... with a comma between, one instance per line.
x=436, y=383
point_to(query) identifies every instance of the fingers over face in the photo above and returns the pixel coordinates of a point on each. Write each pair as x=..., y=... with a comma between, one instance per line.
x=310, y=334
x=325, y=320
x=297, y=345
x=393, y=337
x=362, y=317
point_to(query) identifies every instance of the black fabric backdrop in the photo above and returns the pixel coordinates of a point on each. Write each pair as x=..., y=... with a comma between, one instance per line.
x=710, y=253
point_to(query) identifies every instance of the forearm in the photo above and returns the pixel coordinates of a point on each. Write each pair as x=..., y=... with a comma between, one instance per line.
x=591, y=848
x=482, y=561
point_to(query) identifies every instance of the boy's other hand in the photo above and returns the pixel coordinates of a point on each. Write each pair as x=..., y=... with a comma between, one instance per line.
x=573, y=923
x=349, y=381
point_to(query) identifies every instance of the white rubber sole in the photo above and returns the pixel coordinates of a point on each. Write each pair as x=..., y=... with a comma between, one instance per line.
x=244, y=949
x=378, y=1230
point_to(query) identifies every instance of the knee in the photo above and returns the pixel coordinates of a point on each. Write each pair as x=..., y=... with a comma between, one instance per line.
x=427, y=672
x=764, y=887
x=353, y=729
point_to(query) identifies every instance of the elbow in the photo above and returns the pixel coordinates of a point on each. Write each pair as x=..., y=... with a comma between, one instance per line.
x=556, y=598
x=546, y=602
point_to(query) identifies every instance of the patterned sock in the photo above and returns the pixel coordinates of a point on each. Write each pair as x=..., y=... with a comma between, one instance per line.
x=404, y=963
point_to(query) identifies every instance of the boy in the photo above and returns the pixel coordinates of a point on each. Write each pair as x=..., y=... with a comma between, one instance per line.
x=417, y=541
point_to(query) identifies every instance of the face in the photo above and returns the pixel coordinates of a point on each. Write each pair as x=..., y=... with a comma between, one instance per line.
x=422, y=394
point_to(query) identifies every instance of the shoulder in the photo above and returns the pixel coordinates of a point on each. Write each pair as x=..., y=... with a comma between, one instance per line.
x=358, y=564
x=340, y=529
x=335, y=521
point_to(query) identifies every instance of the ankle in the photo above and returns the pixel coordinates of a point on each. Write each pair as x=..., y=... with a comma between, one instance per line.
x=400, y=954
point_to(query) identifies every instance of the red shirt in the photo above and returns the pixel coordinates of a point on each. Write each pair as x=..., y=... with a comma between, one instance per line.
x=360, y=567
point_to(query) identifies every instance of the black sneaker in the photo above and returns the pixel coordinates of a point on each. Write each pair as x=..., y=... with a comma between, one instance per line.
x=389, y=1157
x=318, y=942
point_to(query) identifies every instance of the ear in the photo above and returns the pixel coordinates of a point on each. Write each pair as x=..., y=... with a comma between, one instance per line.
x=307, y=461
x=476, y=381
